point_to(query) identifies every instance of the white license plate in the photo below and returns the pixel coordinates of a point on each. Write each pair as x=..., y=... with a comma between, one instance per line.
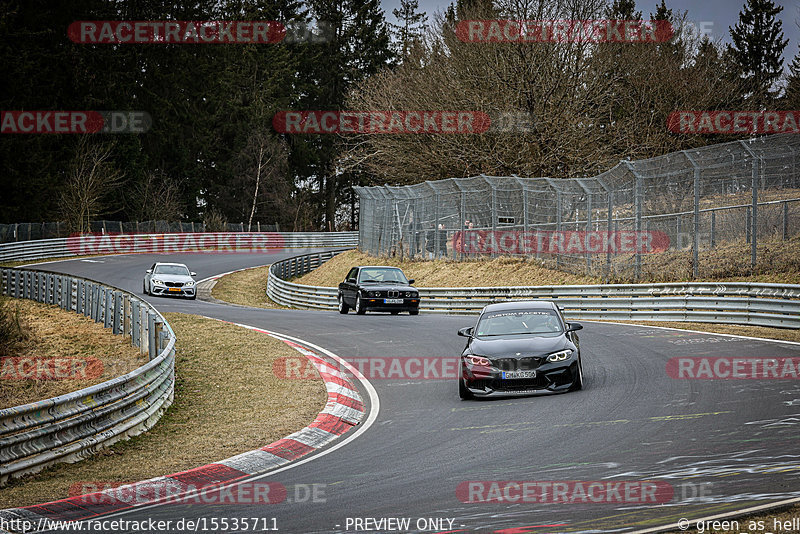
x=392, y=301
x=510, y=375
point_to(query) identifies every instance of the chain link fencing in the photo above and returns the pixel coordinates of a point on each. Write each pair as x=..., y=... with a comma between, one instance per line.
x=627, y=223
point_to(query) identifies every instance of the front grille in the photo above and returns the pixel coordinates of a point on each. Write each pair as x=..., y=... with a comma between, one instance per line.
x=540, y=382
x=173, y=284
x=393, y=294
x=517, y=364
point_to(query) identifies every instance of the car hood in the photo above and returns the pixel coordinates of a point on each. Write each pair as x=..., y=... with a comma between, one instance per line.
x=172, y=278
x=517, y=347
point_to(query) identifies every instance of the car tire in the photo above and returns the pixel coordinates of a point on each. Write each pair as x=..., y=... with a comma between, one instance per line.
x=463, y=392
x=193, y=297
x=577, y=385
x=343, y=307
x=395, y=312
x=360, y=309
x=144, y=288
x=413, y=312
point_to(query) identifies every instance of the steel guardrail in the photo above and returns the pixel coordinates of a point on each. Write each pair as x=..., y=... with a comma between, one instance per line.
x=175, y=242
x=73, y=426
x=755, y=304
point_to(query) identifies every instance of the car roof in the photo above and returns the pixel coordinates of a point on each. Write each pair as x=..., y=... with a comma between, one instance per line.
x=378, y=267
x=521, y=305
x=167, y=263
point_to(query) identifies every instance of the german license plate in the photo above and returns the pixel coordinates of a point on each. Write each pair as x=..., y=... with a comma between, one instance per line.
x=392, y=301
x=510, y=375
x=176, y=289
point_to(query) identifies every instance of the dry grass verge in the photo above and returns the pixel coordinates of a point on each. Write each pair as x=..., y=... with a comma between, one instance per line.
x=50, y=333
x=504, y=271
x=245, y=288
x=227, y=401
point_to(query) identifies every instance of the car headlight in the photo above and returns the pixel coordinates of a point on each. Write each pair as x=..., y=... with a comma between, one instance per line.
x=411, y=294
x=479, y=360
x=189, y=284
x=374, y=293
x=158, y=282
x=559, y=356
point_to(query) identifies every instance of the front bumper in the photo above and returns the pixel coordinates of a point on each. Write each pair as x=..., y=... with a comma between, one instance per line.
x=173, y=291
x=550, y=377
x=378, y=304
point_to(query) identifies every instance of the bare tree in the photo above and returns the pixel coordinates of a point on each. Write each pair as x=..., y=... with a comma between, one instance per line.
x=155, y=197
x=91, y=179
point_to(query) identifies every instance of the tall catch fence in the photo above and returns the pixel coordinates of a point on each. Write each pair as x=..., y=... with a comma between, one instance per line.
x=629, y=222
x=51, y=230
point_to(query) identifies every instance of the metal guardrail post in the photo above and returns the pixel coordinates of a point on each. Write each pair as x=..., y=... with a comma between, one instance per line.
x=108, y=309
x=136, y=321
x=151, y=334
x=126, y=316
x=116, y=319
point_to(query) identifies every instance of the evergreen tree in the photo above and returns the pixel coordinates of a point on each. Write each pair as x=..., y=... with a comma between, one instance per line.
x=792, y=97
x=411, y=27
x=757, y=48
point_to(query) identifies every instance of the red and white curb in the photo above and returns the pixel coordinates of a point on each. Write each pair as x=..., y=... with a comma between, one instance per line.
x=343, y=411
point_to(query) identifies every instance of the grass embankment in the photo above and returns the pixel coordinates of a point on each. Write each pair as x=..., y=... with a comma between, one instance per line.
x=227, y=401
x=245, y=288
x=48, y=334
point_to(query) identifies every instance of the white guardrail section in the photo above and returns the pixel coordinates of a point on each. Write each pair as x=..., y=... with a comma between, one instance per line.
x=169, y=243
x=71, y=427
x=774, y=305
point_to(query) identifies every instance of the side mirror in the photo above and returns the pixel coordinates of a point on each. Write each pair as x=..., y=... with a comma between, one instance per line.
x=574, y=327
x=411, y=281
x=149, y=271
x=192, y=273
x=466, y=332
x=351, y=280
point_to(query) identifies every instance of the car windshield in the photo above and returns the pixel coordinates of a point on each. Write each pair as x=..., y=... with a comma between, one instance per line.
x=518, y=322
x=172, y=269
x=382, y=275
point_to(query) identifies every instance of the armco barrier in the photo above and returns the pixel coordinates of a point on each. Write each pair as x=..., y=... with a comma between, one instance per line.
x=169, y=243
x=73, y=426
x=774, y=305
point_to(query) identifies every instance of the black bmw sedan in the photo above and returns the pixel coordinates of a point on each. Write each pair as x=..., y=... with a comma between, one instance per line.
x=378, y=288
x=520, y=348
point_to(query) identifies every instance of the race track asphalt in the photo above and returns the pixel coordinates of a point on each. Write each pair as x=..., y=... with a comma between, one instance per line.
x=721, y=444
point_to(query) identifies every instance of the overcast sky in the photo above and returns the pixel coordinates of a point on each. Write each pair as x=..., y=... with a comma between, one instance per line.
x=716, y=15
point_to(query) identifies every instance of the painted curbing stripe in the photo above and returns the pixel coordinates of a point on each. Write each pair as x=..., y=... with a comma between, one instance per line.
x=313, y=437
x=343, y=412
x=349, y=402
x=254, y=462
x=332, y=424
x=208, y=475
x=335, y=389
x=289, y=449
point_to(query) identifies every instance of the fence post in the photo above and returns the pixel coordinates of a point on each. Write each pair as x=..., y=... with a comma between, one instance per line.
x=696, y=222
x=785, y=220
x=713, y=227
x=754, y=186
x=638, y=212
x=747, y=223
